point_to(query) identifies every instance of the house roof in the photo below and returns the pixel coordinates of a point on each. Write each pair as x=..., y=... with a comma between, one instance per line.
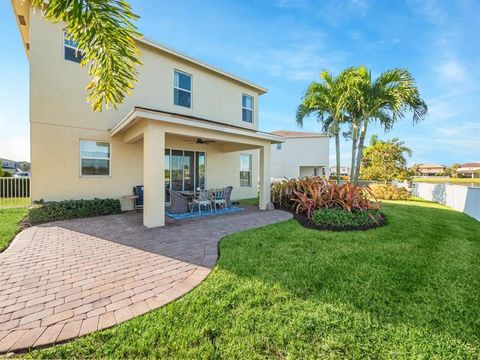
x=141, y=112
x=22, y=14
x=297, y=134
x=470, y=165
x=431, y=166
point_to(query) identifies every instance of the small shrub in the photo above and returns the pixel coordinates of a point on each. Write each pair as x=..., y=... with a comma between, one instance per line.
x=390, y=192
x=342, y=218
x=44, y=211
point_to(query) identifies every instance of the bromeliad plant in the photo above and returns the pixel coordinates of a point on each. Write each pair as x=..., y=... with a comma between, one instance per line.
x=312, y=193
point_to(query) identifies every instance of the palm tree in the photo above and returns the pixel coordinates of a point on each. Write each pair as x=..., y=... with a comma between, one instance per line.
x=324, y=99
x=105, y=33
x=387, y=99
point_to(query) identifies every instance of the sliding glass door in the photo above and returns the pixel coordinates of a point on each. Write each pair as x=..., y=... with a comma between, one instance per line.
x=184, y=171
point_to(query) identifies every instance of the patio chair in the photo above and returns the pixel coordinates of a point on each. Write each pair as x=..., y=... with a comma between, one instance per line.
x=219, y=198
x=138, y=192
x=203, y=198
x=228, y=193
x=178, y=203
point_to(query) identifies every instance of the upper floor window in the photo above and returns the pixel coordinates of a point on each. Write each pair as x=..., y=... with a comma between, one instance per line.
x=182, y=89
x=70, y=49
x=279, y=146
x=94, y=158
x=247, y=108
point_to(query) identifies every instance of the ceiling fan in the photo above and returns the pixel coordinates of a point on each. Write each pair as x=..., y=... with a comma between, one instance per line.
x=200, y=141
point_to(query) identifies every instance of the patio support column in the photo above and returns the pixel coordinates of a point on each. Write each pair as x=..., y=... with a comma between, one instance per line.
x=265, y=181
x=153, y=176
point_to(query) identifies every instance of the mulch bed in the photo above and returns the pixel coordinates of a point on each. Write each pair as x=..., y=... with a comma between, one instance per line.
x=308, y=223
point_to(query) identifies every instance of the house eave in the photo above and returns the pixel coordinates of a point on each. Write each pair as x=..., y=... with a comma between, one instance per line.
x=141, y=113
x=22, y=9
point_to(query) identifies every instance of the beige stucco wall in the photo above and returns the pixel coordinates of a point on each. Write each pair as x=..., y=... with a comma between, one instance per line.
x=299, y=152
x=60, y=117
x=56, y=165
x=58, y=95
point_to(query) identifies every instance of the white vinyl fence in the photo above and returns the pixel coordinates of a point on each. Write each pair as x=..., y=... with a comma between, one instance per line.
x=14, y=192
x=460, y=197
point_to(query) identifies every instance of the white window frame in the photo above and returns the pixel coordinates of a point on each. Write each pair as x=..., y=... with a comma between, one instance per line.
x=246, y=108
x=182, y=89
x=279, y=146
x=95, y=158
x=249, y=171
x=65, y=36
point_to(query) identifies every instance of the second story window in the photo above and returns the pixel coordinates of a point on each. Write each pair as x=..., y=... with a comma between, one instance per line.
x=247, y=108
x=182, y=89
x=70, y=49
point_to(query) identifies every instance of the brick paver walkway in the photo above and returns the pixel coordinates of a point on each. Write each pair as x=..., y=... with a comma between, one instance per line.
x=63, y=280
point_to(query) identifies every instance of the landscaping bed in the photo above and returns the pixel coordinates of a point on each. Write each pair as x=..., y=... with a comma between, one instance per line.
x=322, y=205
x=380, y=220
x=46, y=211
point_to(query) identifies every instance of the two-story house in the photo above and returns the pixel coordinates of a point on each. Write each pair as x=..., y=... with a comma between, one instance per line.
x=302, y=154
x=186, y=125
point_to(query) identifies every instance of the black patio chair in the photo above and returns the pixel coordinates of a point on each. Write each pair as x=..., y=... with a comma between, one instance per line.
x=228, y=193
x=138, y=192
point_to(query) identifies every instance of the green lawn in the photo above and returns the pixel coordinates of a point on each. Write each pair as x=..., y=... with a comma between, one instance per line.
x=9, y=224
x=408, y=290
x=434, y=179
x=14, y=202
x=252, y=201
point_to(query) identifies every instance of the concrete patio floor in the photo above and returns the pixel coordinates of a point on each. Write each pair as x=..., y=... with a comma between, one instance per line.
x=69, y=278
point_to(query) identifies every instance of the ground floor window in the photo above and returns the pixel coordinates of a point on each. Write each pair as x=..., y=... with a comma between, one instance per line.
x=184, y=171
x=245, y=170
x=94, y=158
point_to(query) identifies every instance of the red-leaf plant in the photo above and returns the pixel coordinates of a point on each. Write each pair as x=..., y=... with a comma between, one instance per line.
x=311, y=193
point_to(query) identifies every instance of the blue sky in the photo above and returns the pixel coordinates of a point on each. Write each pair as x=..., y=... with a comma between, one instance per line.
x=284, y=44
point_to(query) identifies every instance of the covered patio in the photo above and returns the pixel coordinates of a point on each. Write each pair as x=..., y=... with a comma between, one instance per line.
x=162, y=131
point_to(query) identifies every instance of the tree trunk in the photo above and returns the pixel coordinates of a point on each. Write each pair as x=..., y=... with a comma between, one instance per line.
x=337, y=155
x=354, y=151
x=361, y=142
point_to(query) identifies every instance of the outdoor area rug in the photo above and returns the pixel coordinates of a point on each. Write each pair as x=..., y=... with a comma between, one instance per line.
x=195, y=214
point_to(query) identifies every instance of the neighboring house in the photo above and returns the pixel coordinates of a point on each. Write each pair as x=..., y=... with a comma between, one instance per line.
x=13, y=166
x=430, y=169
x=9, y=165
x=344, y=170
x=187, y=125
x=471, y=169
x=302, y=154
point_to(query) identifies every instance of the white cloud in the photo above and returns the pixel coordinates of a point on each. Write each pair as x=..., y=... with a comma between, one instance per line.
x=15, y=148
x=295, y=61
x=432, y=10
x=452, y=70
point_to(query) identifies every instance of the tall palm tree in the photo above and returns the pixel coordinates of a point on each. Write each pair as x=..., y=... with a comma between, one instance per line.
x=104, y=32
x=386, y=100
x=324, y=100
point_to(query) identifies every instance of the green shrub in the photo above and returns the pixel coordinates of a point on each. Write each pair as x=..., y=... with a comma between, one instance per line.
x=44, y=211
x=340, y=218
x=390, y=192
